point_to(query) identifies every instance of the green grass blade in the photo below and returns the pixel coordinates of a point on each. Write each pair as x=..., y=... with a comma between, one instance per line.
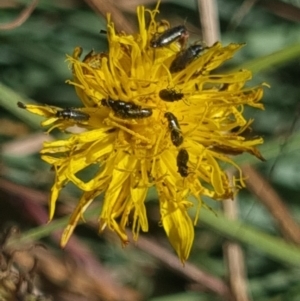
x=269, y=61
x=9, y=99
x=273, y=246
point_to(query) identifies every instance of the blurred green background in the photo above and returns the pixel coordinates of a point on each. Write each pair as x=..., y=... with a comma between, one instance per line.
x=33, y=69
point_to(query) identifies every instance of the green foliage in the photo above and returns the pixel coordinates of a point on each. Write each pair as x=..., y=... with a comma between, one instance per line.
x=33, y=69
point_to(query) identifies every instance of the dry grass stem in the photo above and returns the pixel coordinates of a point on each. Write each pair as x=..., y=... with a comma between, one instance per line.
x=263, y=190
x=232, y=251
x=208, y=12
x=189, y=271
x=284, y=10
x=24, y=15
x=131, y=6
x=240, y=14
x=29, y=145
x=104, y=7
x=235, y=258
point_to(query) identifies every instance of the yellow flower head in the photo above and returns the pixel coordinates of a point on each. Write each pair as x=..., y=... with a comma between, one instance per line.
x=155, y=114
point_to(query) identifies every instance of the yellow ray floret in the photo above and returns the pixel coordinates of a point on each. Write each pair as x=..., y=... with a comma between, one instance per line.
x=135, y=139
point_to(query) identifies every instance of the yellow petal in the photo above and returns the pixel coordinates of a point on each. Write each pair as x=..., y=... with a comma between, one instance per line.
x=178, y=226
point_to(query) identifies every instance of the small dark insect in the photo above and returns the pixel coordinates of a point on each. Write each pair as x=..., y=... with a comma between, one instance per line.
x=21, y=105
x=118, y=105
x=137, y=113
x=185, y=57
x=176, y=138
x=169, y=36
x=173, y=123
x=94, y=59
x=170, y=95
x=174, y=127
x=182, y=160
x=72, y=113
x=67, y=113
x=127, y=109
